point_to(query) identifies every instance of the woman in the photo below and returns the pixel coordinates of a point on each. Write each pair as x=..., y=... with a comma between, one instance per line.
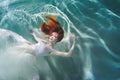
x=15, y=64
x=54, y=33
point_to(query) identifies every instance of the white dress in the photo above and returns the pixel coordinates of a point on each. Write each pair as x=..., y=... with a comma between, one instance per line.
x=15, y=63
x=41, y=49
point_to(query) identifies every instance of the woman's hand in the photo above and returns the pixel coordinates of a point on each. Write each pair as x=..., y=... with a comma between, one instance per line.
x=36, y=35
x=73, y=45
x=73, y=37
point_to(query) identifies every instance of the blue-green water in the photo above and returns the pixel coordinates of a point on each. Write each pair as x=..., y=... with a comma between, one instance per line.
x=95, y=24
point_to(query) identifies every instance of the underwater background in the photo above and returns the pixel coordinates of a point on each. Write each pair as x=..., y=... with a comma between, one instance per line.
x=95, y=24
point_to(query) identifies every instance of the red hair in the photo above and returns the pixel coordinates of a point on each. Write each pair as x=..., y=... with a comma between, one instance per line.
x=52, y=26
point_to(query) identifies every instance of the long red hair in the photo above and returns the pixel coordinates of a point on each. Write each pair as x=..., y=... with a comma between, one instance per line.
x=52, y=26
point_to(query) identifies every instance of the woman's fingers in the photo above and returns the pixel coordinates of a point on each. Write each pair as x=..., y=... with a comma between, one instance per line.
x=73, y=36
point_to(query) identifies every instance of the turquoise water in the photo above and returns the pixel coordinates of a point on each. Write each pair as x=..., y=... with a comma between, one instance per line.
x=95, y=24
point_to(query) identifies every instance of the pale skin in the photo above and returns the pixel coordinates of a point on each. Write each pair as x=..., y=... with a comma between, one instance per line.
x=52, y=40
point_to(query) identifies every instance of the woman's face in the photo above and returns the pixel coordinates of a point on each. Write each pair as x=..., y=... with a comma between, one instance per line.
x=53, y=37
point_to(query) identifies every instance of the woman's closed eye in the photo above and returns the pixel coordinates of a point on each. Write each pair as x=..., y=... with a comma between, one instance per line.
x=53, y=38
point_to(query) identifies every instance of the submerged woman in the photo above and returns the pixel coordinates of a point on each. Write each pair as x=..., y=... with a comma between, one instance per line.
x=54, y=33
x=15, y=64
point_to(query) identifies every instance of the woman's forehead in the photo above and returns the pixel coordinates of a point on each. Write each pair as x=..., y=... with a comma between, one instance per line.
x=55, y=33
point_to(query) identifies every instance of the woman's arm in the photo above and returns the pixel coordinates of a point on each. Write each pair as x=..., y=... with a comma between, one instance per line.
x=36, y=36
x=66, y=54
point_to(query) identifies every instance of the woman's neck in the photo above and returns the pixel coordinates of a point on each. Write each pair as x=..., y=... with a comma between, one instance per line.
x=51, y=44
